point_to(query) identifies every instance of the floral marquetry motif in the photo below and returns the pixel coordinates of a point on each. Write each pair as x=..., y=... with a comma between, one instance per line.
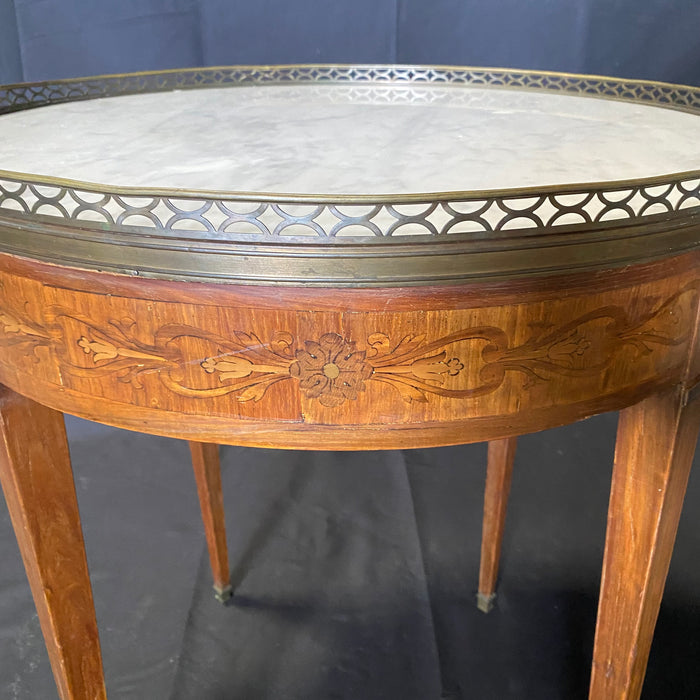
x=21, y=331
x=333, y=368
x=330, y=369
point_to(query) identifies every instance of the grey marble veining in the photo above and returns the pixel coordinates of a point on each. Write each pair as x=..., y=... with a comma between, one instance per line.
x=349, y=140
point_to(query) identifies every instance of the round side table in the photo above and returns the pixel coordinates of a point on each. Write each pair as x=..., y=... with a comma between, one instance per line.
x=349, y=257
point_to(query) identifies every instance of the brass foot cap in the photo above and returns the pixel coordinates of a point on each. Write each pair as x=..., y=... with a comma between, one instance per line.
x=223, y=594
x=485, y=601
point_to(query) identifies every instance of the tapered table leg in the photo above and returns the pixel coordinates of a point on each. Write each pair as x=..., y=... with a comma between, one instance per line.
x=37, y=480
x=499, y=472
x=207, y=473
x=655, y=444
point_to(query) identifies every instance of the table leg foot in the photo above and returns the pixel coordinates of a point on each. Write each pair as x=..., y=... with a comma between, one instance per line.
x=499, y=472
x=655, y=444
x=207, y=473
x=37, y=480
x=485, y=602
x=223, y=595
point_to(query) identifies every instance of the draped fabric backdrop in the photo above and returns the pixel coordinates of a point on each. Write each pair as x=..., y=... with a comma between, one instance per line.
x=654, y=39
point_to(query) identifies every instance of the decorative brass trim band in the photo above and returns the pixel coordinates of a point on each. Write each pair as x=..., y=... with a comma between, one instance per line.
x=431, y=261
x=360, y=240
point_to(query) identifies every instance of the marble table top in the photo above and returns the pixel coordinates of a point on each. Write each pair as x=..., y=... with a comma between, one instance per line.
x=339, y=139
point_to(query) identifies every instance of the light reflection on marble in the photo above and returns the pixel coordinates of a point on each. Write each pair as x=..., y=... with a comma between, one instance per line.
x=349, y=140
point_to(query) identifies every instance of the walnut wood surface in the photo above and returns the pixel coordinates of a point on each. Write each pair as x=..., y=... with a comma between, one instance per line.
x=207, y=472
x=499, y=472
x=655, y=445
x=37, y=480
x=309, y=375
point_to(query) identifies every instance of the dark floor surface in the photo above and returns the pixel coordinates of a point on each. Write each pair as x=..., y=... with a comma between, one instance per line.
x=355, y=575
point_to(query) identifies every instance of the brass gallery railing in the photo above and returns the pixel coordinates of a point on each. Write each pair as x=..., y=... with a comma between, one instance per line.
x=216, y=224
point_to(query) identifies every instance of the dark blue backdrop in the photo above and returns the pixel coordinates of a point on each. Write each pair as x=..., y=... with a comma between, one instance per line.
x=656, y=39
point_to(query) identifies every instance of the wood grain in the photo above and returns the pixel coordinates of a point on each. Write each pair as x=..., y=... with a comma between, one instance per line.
x=654, y=451
x=37, y=480
x=296, y=369
x=499, y=472
x=207, y=472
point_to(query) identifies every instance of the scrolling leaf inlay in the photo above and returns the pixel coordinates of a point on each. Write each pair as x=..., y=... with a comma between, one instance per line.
x=19, y=329
x=333, y=369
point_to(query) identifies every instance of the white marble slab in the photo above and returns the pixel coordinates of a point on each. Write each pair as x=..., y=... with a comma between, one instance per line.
x=343, y=140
